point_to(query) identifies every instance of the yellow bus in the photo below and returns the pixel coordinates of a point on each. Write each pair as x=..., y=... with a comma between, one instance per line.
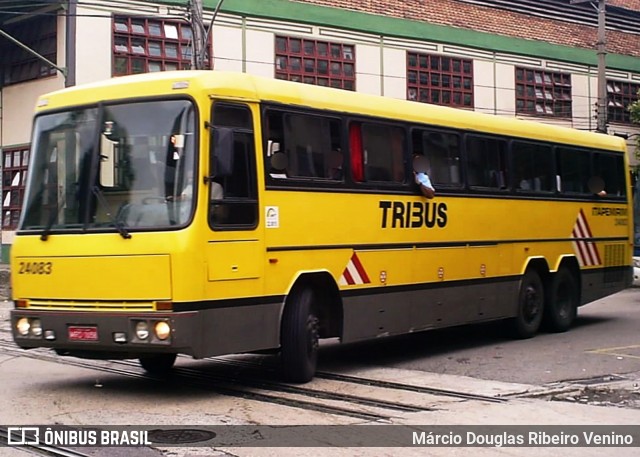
x=208, y=213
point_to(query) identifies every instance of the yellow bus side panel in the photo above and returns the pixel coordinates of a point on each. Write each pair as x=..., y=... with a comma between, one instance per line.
x=229, y=261
x=467, y=239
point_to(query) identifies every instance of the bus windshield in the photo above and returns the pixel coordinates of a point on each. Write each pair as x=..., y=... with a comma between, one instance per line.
x=121, y=167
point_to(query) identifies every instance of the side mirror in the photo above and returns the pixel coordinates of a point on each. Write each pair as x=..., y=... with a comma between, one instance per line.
x=221, y=154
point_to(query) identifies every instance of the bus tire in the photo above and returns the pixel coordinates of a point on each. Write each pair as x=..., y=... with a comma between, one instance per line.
x=158, y=364
x=299, y=338
x=562, y=303
x=530, y=306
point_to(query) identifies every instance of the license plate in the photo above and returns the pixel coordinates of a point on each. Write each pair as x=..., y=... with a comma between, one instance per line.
x=83, y=333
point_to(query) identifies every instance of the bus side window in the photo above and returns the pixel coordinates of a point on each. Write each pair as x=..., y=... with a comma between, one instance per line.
x=574, y=169
x=442, y=149
x=308, y=145
x=486, y=162
x=233, y=200
x=302, y=146
x=610, y=168
x=276, y=159
x=383, y=153
x=532, y=167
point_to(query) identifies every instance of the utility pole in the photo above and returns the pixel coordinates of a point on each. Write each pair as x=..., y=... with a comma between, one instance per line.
x=602, y=69
x=197, y=26
x=601, y=46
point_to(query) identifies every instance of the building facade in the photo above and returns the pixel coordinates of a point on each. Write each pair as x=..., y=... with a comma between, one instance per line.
x=526, y=58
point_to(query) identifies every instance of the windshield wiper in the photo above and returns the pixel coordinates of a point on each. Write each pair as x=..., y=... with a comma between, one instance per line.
x=44, y=235
x=116, y=223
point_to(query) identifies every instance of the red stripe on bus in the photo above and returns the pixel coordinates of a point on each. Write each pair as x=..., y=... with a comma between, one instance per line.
x=348, y=277
x=360, y=268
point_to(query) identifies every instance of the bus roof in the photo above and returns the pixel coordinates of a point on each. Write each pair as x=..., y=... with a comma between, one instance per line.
x=242, y=86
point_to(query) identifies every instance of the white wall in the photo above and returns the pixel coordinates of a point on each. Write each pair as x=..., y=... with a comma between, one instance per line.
x=93, y=46
x=261, y=51
x=484, y=80
x=227, y=50
x=505, y=96
x=18, y=106
x=19, y=100
x=368, y=69
x=582, y=102
x=395, y=73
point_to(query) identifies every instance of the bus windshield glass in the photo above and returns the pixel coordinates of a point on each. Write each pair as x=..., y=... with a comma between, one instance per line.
x=121, y=167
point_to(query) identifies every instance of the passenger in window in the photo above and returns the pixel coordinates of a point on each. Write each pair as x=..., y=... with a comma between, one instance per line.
x=219, y=212
x=596, y=185
x=217, y=193
x=420, y=172
x=525, y=184
x=335, y=165
x=523, y=173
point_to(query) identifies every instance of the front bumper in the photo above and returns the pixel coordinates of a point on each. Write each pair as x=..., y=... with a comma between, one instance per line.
x=105, y=335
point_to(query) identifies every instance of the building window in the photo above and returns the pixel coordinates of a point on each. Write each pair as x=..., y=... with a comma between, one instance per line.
x=19, y=65
x=619, y=96
x=145, y=45
x=543, y=93
x=439, y=80
x=14, y=175
x=316, y=62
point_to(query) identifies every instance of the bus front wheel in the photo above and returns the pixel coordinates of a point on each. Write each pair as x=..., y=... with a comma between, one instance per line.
x=158, y=364
x=530, y=306
x=562, y=305
x=299, y=338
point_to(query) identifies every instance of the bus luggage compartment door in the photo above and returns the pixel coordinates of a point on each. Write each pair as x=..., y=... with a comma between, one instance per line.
x=237, y=259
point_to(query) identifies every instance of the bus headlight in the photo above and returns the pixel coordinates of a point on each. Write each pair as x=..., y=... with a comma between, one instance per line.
x=142, y=330
x=23, y=326
x=162, y=330
x=36, y=328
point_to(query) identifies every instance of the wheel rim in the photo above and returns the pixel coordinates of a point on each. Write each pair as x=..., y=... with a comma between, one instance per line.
x=313, y=335
x=532, y=303
x=563, y=301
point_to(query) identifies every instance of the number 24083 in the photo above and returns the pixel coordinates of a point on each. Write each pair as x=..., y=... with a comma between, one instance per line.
x=35, y=268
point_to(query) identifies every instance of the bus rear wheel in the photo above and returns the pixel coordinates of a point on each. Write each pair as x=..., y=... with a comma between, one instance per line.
x=530, y=306
x=158, y=364
x=299, y=339
x=562, y=305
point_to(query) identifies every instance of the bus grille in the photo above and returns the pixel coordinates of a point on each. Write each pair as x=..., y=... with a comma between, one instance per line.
x=88, y=305
x=614, y=256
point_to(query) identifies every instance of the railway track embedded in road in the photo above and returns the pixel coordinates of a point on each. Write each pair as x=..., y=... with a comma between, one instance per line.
x=249, y=382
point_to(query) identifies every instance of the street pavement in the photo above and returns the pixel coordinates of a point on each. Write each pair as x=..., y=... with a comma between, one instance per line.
x=527, y=405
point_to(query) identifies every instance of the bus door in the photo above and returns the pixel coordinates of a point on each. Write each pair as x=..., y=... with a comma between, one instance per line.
x=235, y=248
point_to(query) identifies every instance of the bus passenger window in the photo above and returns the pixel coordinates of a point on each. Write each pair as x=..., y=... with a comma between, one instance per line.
x=574, y=170
x=532, y=167
x=278, y=161
x=486, y=162
x=610, y=168
x=383, y=153
x=302, y=146
x=443, y=151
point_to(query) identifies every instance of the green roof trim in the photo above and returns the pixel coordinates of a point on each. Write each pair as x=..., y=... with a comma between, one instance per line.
x=403, y=28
